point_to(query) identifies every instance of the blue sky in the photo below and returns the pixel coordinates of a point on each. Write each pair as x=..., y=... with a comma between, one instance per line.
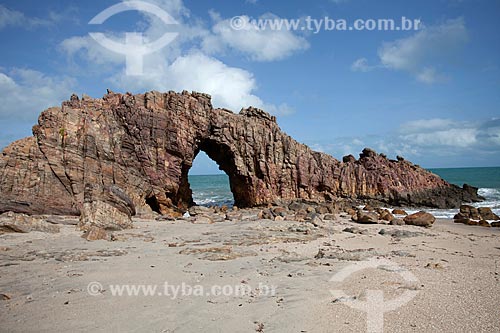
x=431, y=95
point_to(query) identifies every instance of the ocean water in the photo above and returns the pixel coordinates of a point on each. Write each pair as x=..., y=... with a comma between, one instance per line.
x=478, y=177
x=211, y=190
x=486, y=179
x=214, y=189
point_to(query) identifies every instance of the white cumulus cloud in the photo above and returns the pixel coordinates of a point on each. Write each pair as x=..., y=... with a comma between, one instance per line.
x=230, y=87
x=188, y=63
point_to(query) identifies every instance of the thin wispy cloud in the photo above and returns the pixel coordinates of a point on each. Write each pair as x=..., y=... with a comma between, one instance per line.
x=361, y=65
x=25, y=93
x=257, y=44
x=14, y=18
x=421, y=54
x=423, y=139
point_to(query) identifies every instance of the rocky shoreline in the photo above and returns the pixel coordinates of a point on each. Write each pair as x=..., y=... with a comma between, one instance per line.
x=144, y=145
x=100, y=220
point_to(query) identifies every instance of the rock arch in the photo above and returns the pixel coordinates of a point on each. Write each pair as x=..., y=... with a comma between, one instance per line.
x=223, y=156
x=145, y=144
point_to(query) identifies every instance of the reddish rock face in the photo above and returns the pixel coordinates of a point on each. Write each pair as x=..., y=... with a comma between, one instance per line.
x=145, y=144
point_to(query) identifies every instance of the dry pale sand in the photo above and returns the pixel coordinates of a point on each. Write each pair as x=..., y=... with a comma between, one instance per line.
x=44, y=278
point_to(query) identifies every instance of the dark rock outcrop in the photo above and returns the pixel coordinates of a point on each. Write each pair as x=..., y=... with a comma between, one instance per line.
x=469, y=212
x=475, y=216
x=487, y=214
x=146, y=144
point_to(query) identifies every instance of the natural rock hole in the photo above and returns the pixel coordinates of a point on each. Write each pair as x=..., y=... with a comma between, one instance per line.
x=209, y=185
x=152, y=202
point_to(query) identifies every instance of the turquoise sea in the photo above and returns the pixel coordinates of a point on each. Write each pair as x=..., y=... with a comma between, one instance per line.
x=209, y=190
x=486, y=179
x=214, y=189
x=478, y=177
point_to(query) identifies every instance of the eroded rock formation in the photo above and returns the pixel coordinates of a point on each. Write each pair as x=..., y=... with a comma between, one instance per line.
x=105, y=208
x=145, y=144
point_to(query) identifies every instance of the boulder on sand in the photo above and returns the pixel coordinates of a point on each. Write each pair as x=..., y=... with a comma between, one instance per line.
x=470, y=212
x=12, y=222
x=367, y=217
x=386, y=215
x=475, y=216
x=397, y=211
x=421, y=219
x=487, y=214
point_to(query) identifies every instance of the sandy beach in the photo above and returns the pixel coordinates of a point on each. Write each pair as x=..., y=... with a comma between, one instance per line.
x=177, y=166
x=290, y=272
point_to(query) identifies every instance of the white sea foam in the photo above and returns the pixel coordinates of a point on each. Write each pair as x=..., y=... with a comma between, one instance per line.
x=205, y=199
x=491, y=195
x=492, y=200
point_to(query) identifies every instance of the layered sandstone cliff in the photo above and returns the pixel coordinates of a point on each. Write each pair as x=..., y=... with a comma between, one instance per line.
x=145, y=145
